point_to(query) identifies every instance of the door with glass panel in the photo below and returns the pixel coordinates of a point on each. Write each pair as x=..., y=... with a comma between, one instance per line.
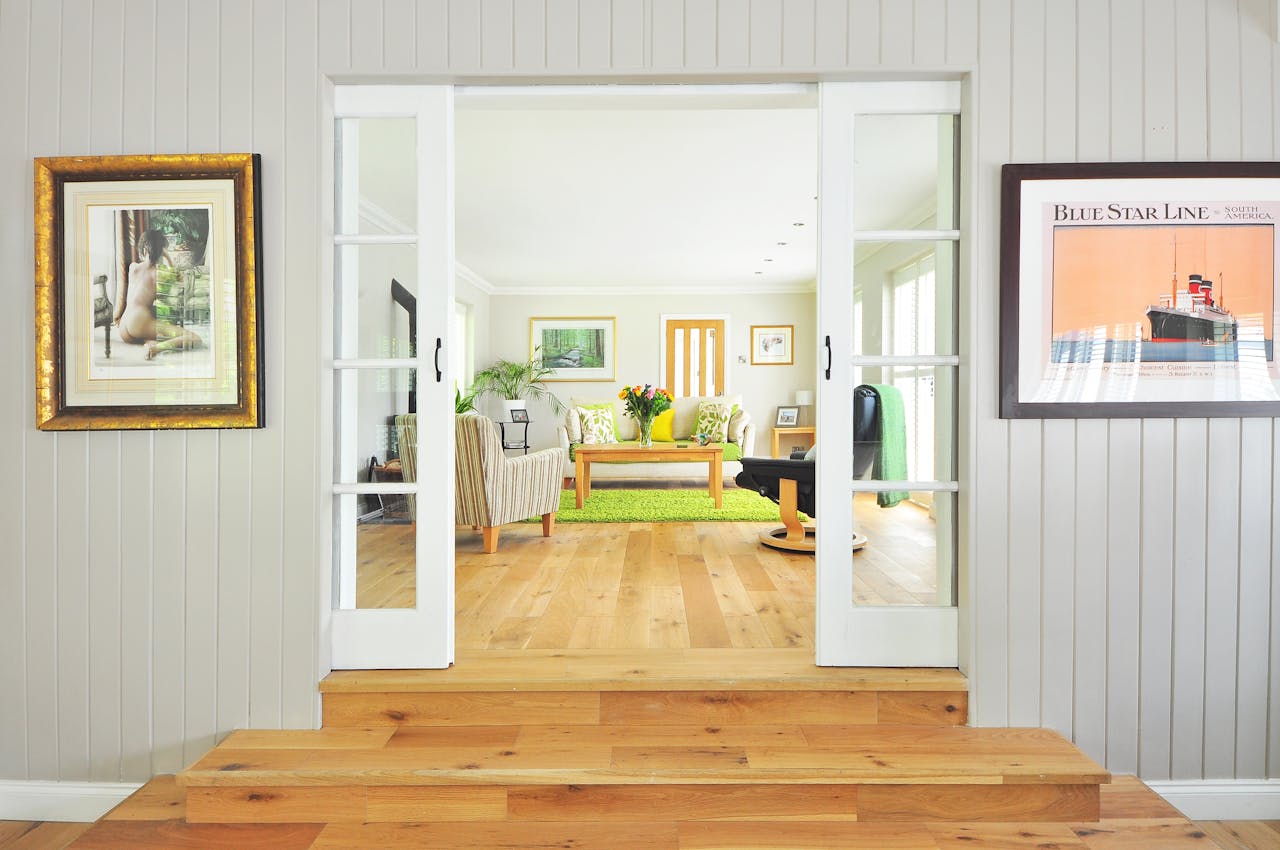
x=889, y=373
x=393, y=311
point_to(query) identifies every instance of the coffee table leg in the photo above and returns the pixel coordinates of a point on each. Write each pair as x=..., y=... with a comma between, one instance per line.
x=578, y=473
x=717, y=479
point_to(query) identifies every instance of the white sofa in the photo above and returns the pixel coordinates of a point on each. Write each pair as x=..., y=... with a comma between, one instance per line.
x=742, y=434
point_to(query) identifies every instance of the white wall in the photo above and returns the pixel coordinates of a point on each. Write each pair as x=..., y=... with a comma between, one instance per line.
x=640, y=338
x=157, y=589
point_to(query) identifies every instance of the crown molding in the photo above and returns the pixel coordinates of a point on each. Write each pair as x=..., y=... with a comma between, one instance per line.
x=469, y=275
x=800, y=288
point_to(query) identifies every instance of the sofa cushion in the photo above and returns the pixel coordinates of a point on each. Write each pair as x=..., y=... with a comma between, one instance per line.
x=623, y=427
x=662, y=426
x=597, y=425
x=686, y=409
x=713, y=420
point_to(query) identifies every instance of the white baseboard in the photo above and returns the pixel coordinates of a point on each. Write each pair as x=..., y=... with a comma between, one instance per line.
x=1223, y=799
x=61, y=801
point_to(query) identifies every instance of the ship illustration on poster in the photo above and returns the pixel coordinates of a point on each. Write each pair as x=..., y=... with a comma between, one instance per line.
x=1190, y=322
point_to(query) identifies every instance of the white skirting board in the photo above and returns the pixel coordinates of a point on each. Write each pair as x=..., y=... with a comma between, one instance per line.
x=1223, y=799
x=61, y=801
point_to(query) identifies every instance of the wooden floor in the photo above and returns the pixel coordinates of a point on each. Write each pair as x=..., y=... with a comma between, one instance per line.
x=1132, y=818
x=647, y=585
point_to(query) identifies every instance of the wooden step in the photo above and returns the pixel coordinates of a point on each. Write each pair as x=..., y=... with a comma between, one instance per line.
x=633, y=772
x=653, y=687
x=1131, y=816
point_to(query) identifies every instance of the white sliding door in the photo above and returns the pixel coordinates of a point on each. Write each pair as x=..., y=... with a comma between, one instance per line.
x=392, y=397
x=888, y=245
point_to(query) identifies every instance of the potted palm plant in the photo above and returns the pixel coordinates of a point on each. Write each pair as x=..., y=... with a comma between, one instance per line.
x=515, y=382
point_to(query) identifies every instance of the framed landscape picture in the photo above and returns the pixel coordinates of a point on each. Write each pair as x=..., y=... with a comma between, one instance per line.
x=1139, y=289
x=574, y=348
x=147, y=292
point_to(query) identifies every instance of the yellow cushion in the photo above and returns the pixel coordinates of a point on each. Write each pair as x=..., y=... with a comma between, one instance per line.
x=662, y=424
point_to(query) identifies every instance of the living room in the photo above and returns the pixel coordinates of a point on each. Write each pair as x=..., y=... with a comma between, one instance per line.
x=557, y=219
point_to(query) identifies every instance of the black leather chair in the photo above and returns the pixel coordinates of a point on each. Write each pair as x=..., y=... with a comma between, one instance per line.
x=791, y=481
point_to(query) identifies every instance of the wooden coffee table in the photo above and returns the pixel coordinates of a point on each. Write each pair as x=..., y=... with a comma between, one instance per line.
x=584, y=456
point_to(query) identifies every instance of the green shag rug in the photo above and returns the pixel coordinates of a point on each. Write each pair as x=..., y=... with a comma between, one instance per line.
x=607, y=505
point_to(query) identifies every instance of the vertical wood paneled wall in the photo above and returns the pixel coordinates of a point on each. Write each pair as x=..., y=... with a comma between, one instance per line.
x=159, y=589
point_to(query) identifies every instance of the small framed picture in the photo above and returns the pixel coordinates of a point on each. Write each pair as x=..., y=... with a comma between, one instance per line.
x=519, y=415
x=771, y=345
x=788, y=417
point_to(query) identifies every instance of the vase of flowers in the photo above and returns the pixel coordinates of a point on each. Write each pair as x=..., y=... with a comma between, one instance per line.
x=643, y=404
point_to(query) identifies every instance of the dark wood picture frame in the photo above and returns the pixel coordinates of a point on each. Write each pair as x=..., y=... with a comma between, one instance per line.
x=98, y=214
x=1208, y=183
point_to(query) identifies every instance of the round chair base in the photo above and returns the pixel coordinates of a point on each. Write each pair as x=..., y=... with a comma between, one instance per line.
x=777, y=538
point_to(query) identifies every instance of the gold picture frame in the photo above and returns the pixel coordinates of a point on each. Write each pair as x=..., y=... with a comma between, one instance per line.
x=575, y=348
x=148, y=296
x=772, y=345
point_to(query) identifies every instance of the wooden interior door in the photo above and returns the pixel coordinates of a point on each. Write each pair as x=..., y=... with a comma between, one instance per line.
x=694, y=354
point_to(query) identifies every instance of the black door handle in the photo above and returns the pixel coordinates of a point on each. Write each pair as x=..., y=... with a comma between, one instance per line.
x=440, y=375
x=828, y=345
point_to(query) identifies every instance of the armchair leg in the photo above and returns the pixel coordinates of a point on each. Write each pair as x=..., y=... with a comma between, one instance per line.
x=490, y=533
x=548, y=523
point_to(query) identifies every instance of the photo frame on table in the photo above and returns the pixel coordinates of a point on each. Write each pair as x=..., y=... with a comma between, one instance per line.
x=574, y=348
x=787, y=417
x=519, y=414
x=148, y=293
x=772, y=345
x=1139, y=290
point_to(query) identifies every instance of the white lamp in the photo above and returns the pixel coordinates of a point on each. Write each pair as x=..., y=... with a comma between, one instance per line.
x=804, y=397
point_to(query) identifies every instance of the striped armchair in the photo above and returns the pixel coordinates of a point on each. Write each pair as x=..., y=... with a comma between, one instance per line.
x=493, y=489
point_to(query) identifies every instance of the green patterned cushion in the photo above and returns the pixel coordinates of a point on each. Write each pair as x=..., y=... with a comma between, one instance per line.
x=597, y=425
x=713, y=419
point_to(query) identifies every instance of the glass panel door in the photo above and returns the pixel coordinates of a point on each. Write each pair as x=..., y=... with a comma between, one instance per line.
x=393, y=320
x=887, y=292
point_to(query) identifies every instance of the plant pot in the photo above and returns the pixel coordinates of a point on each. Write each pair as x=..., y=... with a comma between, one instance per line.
x=509, y=405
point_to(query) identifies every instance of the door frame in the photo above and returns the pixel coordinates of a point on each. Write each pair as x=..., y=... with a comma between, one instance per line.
x=524, y=87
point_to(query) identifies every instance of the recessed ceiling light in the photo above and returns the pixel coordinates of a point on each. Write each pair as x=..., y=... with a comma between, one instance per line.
x=782, y=243
x=768, y=259
x=759, y=272
x=797, y=224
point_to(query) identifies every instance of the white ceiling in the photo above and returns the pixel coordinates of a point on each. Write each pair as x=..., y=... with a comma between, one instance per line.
x=654, y=194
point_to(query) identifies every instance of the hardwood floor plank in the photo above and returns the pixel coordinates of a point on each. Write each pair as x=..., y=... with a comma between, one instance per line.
x=780, y=623
x=11, y=830
x=311, y=739
x=1128, y=797
x=927, y=709
x=650, y=669
x=949, y=740
x=706, y=621
x=179, y=835
x=161, y=798
x=679, y=758
x=667, y=626
x=439, y=804
x=1241, y=835
x=455, y=736
x=682, y=803
x=817, y=835
x=917, y=803
x=1005, y=836
x=330, y=804
x=590, y=632
x=513, y=633
x=556, y=625
x=1177, y=834
x=645, y=736
x=501, y=836
x=459, y=709
x=47, y=836
x=736, y=707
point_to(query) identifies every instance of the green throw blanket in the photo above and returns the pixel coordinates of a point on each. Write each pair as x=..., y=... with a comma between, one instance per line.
x=891, y=464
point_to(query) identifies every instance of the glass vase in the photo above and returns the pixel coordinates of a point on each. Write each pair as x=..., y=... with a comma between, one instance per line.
x=646, y=431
